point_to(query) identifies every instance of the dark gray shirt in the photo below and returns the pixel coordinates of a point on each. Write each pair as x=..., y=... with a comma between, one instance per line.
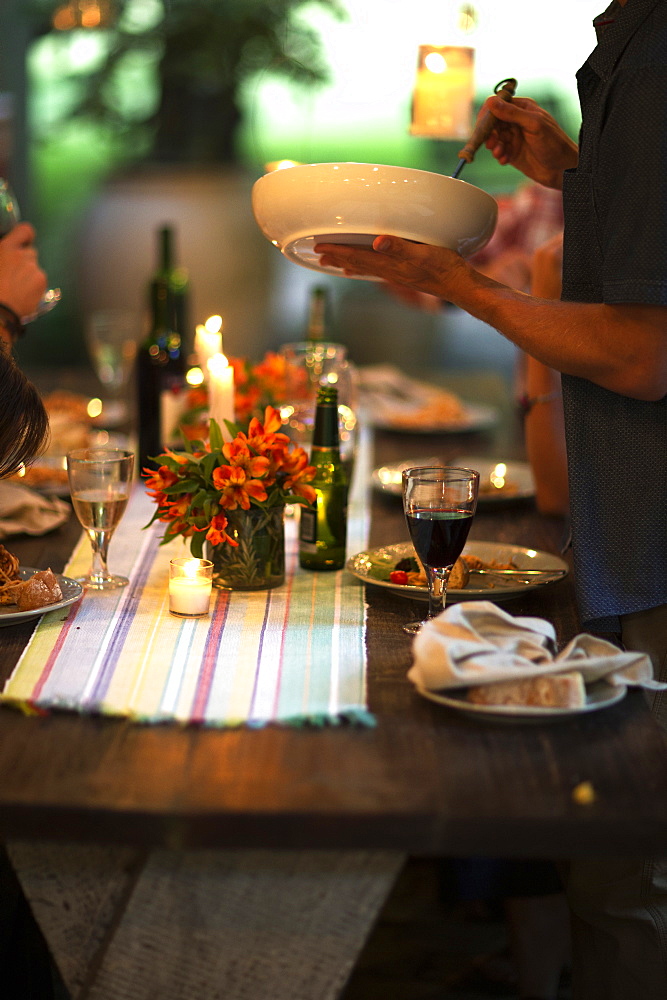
x=615, y=251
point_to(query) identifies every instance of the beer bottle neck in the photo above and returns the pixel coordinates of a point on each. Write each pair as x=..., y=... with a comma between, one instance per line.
x=325, y=432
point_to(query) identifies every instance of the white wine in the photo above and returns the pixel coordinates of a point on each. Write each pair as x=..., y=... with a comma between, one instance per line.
x=99, y=510
x=100, y=482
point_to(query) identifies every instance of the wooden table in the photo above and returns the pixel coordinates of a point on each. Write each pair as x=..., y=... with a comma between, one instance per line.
x=142, y=829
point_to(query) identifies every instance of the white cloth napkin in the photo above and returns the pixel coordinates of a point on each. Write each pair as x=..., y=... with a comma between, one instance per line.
x=22, y=511
x=476, y=642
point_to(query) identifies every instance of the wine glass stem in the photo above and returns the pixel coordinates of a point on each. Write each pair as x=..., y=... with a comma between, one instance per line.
x=437, y=588
x=99, y=541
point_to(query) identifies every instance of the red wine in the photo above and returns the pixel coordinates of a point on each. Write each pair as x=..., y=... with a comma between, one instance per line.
x=439, y=535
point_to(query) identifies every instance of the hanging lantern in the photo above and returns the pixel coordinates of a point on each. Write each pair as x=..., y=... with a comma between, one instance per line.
x=443, y=94
x=83, y=14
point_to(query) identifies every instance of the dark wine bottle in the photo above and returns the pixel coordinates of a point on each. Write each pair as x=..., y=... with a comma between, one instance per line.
x=178, y=282
x=323, y=528
x=160, y=361
x=318, y=326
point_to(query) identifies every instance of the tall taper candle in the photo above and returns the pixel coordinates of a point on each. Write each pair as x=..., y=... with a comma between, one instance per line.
x=221, y=392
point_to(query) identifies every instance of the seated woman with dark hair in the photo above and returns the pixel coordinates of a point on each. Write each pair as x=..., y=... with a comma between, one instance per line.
x=25, y=967
x=24, y=424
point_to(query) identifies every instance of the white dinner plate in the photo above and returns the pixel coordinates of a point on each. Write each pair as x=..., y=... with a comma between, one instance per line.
x=598, y=695
x=71, y=592
x=474, y=418
x=495, y=486
x=374, y=565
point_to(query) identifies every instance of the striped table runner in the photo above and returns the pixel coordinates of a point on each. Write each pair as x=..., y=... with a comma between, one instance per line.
x=293, y=654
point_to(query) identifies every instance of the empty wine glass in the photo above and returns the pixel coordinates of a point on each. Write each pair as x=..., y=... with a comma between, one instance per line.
x=111, y=339
x=309, y=365
x=439, y=505
x=9, y=216
x=100, y=481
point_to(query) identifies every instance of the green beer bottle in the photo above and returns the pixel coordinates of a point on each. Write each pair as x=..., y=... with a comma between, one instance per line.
x=323, y=529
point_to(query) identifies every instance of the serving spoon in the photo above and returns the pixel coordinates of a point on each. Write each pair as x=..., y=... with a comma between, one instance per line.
x=505, y=90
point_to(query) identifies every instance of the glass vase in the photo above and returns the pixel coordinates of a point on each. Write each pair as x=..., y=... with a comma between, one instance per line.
x=258, y=562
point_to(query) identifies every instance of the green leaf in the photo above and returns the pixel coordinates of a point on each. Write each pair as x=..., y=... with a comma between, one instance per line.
x=208, y=464
x=233, y=429
x=215, y=436
x=183, y=486
x=197, y=545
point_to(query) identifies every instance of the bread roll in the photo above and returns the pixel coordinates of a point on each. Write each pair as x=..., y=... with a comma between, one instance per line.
x=565, y=690
x=40, y=590
x=459, y=576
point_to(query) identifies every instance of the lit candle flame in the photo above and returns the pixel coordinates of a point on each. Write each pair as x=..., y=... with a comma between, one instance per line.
x=213, y=324
x=191, y=569
x=217, y=364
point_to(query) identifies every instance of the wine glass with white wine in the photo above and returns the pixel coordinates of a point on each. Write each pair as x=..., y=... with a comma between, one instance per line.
x=100, y=481
x=9, y=216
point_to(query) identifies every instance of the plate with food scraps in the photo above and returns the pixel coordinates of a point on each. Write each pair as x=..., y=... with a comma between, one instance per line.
x=71, y=591
x=524, y=569
x=394, y=401
x=498, y=481
x=48, y=473
x=598, y=695
x=431, y=420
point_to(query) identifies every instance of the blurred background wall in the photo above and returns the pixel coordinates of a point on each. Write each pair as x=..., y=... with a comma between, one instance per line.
x=117, y=116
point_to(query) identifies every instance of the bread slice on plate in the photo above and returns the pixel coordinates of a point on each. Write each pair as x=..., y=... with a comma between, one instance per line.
x=566, y=690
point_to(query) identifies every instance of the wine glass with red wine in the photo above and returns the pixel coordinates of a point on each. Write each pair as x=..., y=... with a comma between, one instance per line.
x=439, y=504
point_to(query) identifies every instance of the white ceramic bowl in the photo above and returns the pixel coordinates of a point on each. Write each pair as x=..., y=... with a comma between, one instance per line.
x=297, y=207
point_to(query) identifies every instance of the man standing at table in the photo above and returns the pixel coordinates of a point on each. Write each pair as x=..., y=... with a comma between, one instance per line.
x=608, y=338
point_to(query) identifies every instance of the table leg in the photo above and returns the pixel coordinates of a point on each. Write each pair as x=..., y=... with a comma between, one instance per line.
x=183, y=925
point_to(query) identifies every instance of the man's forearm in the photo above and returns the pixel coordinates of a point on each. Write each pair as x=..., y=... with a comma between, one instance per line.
x=620, y=347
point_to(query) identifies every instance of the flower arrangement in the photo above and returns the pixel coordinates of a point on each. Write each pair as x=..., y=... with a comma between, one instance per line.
x=266, y=383
x=198, y=491
x=256, y=386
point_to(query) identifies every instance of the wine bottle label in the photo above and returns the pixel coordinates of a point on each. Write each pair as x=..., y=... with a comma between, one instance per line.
x=308, y=529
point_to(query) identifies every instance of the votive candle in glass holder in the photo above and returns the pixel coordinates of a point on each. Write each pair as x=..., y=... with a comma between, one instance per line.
x=190, y=583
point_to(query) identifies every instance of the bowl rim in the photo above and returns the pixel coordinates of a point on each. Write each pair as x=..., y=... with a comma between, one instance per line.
x=379, y=166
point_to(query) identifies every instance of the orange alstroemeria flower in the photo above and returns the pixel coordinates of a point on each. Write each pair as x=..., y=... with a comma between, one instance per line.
x=180, y=528
x=236, y=488
x=263, y=437
x=240, y=371
x=161, y=479
x=239, y=455
x=179, y=506
x=179, y=457
x=299, y=474
x=216, y=533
